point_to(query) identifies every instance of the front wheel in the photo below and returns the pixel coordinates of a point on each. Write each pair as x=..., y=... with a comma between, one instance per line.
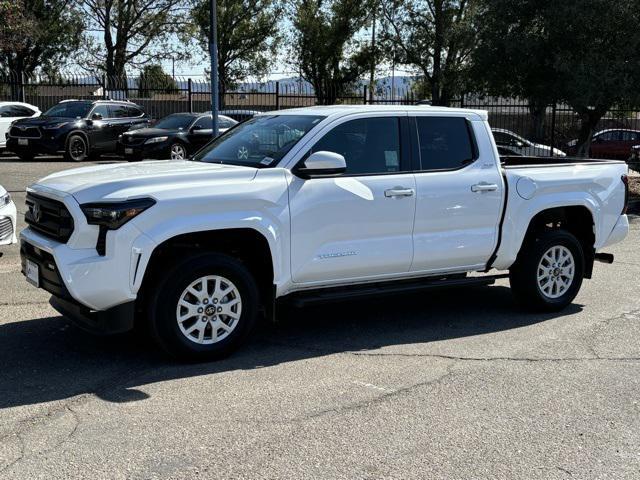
x=204, y=307
x=548, y=272
x=178, y=152
x=77, y=149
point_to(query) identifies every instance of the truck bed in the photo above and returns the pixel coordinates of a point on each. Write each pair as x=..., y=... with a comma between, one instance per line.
x=515, y=161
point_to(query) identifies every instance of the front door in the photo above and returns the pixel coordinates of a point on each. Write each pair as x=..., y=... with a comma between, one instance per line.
x=357, y=225
x=459, y=195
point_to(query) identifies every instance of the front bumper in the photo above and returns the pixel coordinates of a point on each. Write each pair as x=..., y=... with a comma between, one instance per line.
x=118, y=319
x=152, y=151
x=47, y=144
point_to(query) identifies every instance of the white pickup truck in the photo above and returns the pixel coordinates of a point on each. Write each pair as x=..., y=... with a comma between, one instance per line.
x=315, y=204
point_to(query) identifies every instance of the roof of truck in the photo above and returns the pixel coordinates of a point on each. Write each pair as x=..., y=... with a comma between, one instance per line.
x=341, y=110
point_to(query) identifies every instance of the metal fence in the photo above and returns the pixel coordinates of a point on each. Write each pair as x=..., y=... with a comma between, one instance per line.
x=554, y=125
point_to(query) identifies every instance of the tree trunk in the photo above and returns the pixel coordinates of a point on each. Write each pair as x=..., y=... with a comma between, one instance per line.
x=589, y=118
x=538, y=111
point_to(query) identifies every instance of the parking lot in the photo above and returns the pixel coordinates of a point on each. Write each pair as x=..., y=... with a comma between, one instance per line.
x=460, y=384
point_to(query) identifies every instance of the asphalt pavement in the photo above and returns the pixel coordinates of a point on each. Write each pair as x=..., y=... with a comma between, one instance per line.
x=453, y=385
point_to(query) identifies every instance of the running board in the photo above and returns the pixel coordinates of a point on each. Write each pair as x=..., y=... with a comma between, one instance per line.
x=327, y=295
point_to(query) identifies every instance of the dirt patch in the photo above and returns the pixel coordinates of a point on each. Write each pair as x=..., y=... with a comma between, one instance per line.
x=634, y=187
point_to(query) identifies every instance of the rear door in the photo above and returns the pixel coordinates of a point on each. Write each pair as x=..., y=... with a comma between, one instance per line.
x=459, y=194
x=356, y=225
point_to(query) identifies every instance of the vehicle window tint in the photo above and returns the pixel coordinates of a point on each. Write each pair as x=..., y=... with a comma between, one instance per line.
x=609, y=136
x=629, y=136
x=15, y=111
x=204, y=123
x=368, y=145
x=134, y=112
x=502, y=138
x=445, y=142
x=119, y=111
x=102, y=110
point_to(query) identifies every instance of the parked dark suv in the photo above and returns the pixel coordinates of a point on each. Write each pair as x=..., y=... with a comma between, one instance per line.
x=77, y=128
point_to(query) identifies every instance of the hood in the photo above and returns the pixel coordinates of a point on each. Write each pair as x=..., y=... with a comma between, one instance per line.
x=152, y=132
x=41, y=121
x=153, y=178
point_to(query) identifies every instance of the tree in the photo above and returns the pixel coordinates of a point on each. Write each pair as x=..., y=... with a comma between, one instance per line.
x=582, y=52
x=323, y=44
x=434, y=36
x=37, y=35
x=131, y=33
x=154, y=79
x=247, y=37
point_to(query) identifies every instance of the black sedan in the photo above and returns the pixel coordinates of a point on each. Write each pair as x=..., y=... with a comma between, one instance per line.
x=174, y=137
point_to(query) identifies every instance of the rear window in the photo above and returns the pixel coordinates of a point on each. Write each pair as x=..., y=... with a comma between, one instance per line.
x=445, y=143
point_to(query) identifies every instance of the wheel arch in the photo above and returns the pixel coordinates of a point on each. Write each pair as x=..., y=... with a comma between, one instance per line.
x=576, y=219
x=246, y=244
x=77, y=132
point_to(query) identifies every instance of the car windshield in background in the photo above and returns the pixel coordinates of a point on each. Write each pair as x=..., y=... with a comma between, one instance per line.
x=69, y=110
x=175, y=122
x=259, y=142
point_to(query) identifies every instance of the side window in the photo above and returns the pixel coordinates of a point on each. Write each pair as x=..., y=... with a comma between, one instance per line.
x=15, y=111
x=502, y=138
x=610, y=136
x=445, y=143
x=205, y=123
x=119, y=111
x=134, y=112
x=628, y=136
x=102, y=109
x=368, y=145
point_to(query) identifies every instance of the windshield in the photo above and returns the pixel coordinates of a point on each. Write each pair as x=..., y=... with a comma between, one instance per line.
x=69, y=110
x=175, y=122
x=259, y=142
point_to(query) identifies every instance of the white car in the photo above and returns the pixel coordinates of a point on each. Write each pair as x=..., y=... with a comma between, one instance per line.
x=313, y=205
x=11, y=111
x=513, y=143
x=7, y=218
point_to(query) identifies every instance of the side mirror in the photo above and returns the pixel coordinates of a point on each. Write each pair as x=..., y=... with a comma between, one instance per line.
x=96, y=116
x=322, y=164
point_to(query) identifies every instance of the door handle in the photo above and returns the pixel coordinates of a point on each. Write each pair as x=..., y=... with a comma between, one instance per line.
x=484, y=187
x=399, y=192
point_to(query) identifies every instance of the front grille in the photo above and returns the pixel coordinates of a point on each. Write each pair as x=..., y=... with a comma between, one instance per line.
x=6, y=228
x=49, y=217
x=25, y=132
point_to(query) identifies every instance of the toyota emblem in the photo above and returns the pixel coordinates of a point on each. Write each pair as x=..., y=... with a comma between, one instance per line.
x=36, y=212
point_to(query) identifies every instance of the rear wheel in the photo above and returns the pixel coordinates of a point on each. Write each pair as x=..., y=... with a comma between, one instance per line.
x=204, y=307
x=548, y=272
x=77, y=149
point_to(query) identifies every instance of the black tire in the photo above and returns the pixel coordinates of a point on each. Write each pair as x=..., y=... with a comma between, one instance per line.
x=25, y=157
x=77, y=149
x=523, y=275
x=162, y=308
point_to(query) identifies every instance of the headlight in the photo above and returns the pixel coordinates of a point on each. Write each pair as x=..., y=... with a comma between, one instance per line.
x=157, y=140
x=5, y=199
x=57, y=125
x=115, y=214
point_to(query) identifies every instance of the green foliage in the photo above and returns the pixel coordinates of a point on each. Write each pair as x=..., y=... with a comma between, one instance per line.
x=247, y=36
x=582, y=52
x=153, y=79
x=37, y=35
x=134, y=33
x=437, y=38
x=323, y=45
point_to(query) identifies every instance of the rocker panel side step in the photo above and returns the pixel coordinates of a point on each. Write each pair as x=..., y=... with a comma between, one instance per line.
x=337, y=294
